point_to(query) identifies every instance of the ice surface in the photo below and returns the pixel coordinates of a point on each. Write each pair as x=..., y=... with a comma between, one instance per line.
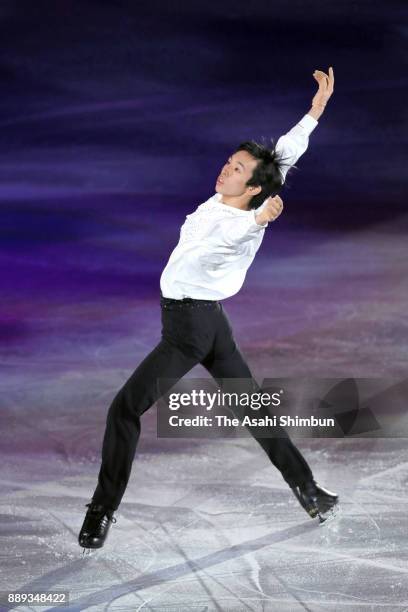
x=211, y=526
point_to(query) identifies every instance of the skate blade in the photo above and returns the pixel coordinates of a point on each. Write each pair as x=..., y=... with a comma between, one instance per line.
x=330, y=515
x=88, y=552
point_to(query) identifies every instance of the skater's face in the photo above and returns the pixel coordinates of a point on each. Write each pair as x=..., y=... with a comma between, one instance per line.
x=234, y=175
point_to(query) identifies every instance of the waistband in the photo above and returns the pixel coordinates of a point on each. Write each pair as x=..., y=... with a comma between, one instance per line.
x=187, y=302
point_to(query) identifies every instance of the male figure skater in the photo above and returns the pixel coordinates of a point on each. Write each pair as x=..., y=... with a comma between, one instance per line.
x=218, y=242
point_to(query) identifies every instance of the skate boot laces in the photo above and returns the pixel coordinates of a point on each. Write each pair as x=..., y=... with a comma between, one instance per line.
x=100, y=510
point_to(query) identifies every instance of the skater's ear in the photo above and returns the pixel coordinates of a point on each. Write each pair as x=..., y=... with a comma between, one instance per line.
x=254, y=190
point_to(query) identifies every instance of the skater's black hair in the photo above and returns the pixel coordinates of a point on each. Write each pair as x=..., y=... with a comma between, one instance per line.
x=266, y=173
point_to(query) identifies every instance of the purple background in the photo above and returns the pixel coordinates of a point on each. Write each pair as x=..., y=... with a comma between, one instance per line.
x=115, y=120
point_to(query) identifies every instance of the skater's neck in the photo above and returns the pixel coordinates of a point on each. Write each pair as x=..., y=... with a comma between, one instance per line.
x=240, y=202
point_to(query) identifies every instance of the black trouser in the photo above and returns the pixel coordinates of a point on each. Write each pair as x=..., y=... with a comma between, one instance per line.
x=193, y=331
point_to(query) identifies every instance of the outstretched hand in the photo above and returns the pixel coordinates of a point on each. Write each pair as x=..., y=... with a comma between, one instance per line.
x=326, y=88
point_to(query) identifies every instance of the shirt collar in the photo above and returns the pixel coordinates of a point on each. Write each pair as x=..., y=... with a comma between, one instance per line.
x=217, y=198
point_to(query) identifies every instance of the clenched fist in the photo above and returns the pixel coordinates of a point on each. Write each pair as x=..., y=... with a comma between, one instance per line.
x=271, y=210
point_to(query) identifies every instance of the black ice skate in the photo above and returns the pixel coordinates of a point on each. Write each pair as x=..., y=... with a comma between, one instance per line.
x=316, y=500
x=96, y=526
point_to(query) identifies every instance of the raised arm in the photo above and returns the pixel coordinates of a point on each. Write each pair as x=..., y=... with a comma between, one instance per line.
x=294, y=143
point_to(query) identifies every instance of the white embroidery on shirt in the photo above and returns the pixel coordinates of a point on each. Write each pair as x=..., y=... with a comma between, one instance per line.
x=199, y=223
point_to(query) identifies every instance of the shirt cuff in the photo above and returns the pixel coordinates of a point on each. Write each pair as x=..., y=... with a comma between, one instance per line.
x=308, y=123
x=254, y=224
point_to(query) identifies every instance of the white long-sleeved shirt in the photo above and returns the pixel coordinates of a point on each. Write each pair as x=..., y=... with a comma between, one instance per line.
x=218, y=242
